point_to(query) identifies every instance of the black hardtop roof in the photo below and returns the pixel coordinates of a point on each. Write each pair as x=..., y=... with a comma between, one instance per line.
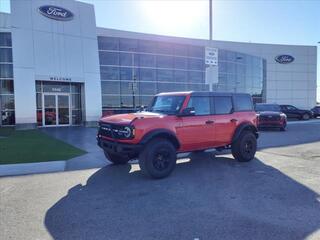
x=208, y=93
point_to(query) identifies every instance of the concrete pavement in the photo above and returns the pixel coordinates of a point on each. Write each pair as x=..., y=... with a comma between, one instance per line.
x=276, y=196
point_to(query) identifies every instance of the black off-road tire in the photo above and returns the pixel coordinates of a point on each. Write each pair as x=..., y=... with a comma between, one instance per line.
x=245, y=147
x=158, y=158
x=116, y=159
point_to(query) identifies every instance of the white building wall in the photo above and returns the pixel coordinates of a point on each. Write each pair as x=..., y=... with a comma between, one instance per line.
x=45, y=48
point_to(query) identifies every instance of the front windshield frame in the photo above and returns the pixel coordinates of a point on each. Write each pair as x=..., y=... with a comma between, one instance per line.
x=168, y=111
x=267, y=107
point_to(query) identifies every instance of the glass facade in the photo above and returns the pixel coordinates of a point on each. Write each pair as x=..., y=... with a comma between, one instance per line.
x=133, y=70
x=240, y=72
x=7, y=109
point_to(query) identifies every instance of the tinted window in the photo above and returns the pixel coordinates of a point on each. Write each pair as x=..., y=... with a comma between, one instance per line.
x=128, y=45
x=109, y=73
x=164, y=62
x=181, y=76
x=147, y=74
x=243, y=103
x=6, y=87
x=5, y=39
x=108, y=43
x=5, y=55
x=201, y=105
x=222, y=105
x=196, y=64
x=109, y=58
x=110, y=87
x=126, y=59
x=6, y=71
x=164, y=75
x=147, y=46
x=147, y=60
x=291, y=108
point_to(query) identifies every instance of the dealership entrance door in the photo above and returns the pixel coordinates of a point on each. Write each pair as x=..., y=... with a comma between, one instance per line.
x=59, y=103
x=56, y=109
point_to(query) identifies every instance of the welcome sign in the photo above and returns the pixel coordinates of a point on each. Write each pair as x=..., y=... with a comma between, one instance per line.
x=56, y=13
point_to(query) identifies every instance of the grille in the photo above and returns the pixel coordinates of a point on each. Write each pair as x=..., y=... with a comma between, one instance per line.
x=112, y=131
x=270, y=118
x=106, y=130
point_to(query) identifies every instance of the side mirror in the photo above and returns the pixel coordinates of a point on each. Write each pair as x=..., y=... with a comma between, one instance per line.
x=189, y=111
x=142, y=108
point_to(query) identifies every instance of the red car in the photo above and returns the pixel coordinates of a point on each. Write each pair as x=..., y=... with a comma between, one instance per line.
x=180, y=122
x=270, y=116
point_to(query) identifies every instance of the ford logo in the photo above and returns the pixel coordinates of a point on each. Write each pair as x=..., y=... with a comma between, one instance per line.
x=284, y=59
x=56, y=13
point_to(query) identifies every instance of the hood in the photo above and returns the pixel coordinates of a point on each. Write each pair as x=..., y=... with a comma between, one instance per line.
x=129, y=117
x=269, y=113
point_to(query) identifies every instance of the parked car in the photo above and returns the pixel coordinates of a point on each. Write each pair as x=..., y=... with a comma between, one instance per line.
x=316, y=111
x=293, y=112
x=270, y=116
x=180, y=122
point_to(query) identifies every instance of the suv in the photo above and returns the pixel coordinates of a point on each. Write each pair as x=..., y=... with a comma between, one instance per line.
x=270, y=115
x=293, y=112
x=180, y=122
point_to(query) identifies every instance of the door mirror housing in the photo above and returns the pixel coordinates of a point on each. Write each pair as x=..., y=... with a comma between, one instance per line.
x=189, y=111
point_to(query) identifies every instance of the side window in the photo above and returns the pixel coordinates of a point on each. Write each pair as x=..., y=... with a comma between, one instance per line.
x=289, y=107
x=243, y=103
x=223, y=105
x=201, y=105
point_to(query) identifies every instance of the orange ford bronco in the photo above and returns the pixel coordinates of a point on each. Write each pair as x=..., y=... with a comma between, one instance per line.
x=180, y=122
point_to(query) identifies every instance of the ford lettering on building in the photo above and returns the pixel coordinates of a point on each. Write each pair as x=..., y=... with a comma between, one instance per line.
x=284, y=59
x=56, y=13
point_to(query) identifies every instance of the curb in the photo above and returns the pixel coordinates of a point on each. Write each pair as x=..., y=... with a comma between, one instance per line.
x=31, y=168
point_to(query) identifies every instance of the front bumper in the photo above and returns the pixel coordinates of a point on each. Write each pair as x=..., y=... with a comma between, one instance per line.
x=118, y=147
x=270, y=124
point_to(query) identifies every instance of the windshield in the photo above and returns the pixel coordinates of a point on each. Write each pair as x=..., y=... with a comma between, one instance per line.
x=167, y=104
x=267, y=107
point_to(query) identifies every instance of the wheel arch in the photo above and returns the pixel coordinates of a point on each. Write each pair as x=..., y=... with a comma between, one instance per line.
x=244, y=127
x=161, y=133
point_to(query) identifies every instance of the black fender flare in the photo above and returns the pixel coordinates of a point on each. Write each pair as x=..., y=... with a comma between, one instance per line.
x=164, y=133
x=245, y=127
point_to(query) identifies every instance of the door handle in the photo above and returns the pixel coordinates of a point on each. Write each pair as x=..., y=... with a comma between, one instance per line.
x=209, y=122
x=233, y=120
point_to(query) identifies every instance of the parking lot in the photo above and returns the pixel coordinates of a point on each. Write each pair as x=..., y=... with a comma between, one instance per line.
x=276, y=196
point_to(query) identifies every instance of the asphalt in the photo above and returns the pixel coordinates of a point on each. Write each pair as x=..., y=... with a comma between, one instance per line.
x=275, y=196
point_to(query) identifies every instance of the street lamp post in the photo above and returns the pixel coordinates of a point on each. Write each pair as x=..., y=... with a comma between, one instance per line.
x=210, y=19
x=133, y=83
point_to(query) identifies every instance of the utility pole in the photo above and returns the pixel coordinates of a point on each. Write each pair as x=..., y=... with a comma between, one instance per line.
x=210, y=20
x=133, y=84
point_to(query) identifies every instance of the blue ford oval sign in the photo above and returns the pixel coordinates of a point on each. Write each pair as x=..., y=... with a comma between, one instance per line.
x=56, y=13
x=284, y=59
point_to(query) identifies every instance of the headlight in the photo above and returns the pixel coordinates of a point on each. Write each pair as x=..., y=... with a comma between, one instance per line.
x=123, y=132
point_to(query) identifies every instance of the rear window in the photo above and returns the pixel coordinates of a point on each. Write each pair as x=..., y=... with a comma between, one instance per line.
x=222, y=105
x=243, y=103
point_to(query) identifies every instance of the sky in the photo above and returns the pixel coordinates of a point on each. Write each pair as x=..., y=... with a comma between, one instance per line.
x=261, y=21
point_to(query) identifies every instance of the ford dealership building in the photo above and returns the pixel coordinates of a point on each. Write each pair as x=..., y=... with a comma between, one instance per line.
x=58, y=69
